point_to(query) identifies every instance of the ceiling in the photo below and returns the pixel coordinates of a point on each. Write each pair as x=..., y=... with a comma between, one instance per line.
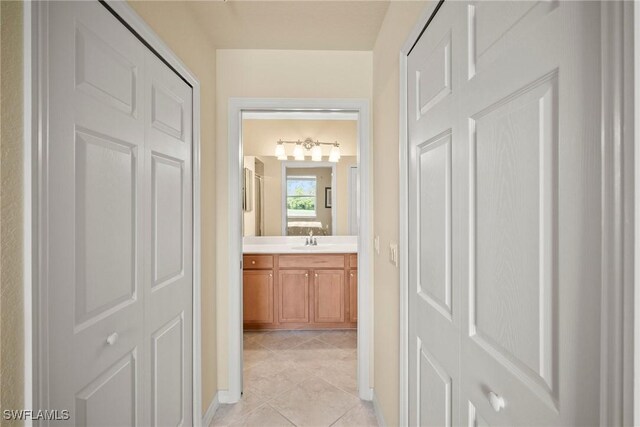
x=301, y=25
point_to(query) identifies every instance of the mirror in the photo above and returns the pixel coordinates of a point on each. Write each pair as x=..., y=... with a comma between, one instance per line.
x=295, y=197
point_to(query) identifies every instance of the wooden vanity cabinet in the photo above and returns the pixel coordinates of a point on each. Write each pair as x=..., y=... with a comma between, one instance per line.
x=292, y=291
x=258, y=290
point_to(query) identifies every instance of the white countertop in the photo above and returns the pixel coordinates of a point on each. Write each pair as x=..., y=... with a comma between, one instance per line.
x=295, y=245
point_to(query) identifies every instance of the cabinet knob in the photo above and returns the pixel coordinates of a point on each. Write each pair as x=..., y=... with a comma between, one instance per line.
x=253, y=262
x=306, y=274
x=351, y=274
x=111, y=339
x=270, y=274
x=316, y=274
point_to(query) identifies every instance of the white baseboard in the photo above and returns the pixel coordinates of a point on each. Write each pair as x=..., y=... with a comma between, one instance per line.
x=211, y=411
x=225, y=397
x=378, y=411
x=367, y=394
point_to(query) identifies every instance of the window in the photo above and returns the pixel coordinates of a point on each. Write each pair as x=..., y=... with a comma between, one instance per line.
x=301, y=196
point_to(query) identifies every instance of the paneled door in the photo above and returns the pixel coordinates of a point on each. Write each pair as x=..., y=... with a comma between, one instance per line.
x=118, y=226
x=505, y=215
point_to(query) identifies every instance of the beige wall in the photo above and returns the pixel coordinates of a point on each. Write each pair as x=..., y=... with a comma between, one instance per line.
x=272, y=74
x=175, y=23
x=11, y=212
x=259, y=137
x=399, y=20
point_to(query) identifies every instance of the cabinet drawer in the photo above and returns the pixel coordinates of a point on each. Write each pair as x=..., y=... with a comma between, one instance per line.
x=252, y=262
x=311, y=261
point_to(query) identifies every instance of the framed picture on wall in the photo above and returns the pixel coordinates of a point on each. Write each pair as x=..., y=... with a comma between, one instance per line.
x=327, y=197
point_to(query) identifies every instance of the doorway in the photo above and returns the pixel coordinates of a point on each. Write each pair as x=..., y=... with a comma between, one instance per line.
x=358, y=109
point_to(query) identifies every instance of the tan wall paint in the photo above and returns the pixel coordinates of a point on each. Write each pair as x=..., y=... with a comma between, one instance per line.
x=271, y=74
x=175, y=23
x=399, y=20
x=11, y=211
x=259, y=137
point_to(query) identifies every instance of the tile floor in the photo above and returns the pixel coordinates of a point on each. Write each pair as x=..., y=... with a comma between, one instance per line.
x=299, y=378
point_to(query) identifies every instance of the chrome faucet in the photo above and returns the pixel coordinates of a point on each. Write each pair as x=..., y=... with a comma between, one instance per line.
x=311, y=241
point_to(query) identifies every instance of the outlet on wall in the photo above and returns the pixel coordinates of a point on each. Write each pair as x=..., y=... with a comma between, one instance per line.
x=376, y=244
x=393, y=253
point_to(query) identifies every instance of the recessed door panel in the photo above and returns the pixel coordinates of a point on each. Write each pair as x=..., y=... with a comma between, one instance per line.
x=167, y=382
x=106, y=208
x=104, y=73
x=434, y=392
x=110, y=399
x=495, y=26
x=167, y=112
x=434, y=194
x=514, y=145
x=433, y=82
x=167, y=218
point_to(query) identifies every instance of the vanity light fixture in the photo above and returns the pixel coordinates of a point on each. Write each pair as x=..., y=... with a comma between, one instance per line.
x=316, y=153
x=309, y=145
x=298, y=152
x=334, y=154
x=281, y=154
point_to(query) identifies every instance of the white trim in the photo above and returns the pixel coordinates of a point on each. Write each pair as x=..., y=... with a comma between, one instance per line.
x=403, y=259
x=27, y=185
x=291, y=164
x=378, y=411
x=351, y=223
x=300, y=115
x=211, y=411
x=636, y=124
x=613, y=405
x=38, y=21
x=224, y=397
x=365, y=241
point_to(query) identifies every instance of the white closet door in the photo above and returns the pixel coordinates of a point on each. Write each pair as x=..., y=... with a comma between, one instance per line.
x=112, y=337
x=434, y=193
x=504, y=130
x=168, y=219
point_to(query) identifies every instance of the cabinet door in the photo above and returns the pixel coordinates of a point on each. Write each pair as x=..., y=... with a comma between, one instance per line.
x=293, y=290
x=353, y=296
x=328, y=295
x=257, y=294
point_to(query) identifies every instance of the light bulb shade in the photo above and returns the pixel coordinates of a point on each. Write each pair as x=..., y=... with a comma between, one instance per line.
x=298, y=152
x=334, y=154
x=316, y=153
x=280, y=152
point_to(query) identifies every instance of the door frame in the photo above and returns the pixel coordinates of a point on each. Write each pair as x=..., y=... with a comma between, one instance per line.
x=351, y=223
x=236, y=106
x=617, y=191
x=292, y=164
x=35, y=227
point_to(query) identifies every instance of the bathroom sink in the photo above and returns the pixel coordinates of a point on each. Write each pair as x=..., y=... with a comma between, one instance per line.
x=319, y=247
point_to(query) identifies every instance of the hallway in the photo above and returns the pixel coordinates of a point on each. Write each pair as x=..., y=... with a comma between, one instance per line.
x=302, y=378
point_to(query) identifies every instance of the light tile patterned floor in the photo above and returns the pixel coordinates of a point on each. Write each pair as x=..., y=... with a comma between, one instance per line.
x=299, y=378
